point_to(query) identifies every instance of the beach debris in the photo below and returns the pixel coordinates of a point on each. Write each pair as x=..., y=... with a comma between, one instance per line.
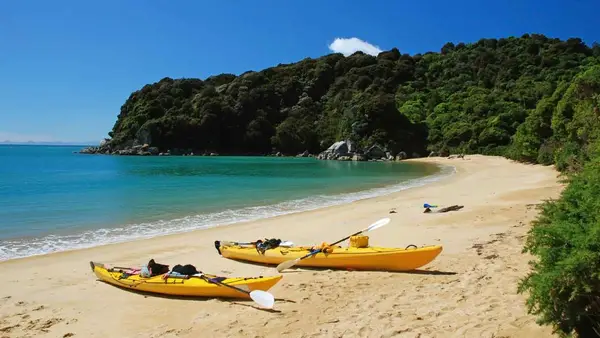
x=428, y=208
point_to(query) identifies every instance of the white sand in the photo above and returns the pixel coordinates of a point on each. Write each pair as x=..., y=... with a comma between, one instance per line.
x=468, y=291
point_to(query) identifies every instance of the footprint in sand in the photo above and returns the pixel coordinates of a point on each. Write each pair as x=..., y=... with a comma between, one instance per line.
x=7, y=329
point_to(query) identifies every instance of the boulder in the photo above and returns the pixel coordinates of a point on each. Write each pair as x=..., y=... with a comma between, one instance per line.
x=375, y=152
x=127, y=152
x=401, y=156
x=340, y=148
x=89, y=150
x=358, y=157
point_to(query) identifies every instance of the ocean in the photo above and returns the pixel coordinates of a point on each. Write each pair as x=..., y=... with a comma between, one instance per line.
x=53, y=199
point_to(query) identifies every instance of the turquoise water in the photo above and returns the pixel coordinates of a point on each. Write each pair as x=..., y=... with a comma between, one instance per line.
x=52, y=199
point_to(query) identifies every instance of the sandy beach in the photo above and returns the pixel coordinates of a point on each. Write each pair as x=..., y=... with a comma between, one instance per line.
x=468, y=291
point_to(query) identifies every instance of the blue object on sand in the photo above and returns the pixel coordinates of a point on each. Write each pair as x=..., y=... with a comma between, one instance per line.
x=427, y=205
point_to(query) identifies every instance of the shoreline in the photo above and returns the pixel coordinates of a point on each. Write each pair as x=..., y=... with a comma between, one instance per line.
x=133, y=232
x=469, y=290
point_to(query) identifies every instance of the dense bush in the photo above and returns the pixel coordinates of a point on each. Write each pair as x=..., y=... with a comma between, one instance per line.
x=470, y=98
x=564, y=285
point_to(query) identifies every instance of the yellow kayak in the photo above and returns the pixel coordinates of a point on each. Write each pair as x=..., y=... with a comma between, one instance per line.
x=367, y=258
x=194, y=286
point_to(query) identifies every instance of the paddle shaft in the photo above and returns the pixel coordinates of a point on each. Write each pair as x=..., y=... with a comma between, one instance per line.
x=223, y=284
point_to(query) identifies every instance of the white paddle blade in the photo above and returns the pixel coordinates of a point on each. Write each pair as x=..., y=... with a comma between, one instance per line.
x=379, y=224
x=263, y=298
x=287, y=264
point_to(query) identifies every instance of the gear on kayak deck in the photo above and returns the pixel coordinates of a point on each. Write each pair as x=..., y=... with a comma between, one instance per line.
x=262, y=246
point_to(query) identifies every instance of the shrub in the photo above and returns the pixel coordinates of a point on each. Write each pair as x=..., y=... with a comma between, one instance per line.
x=564, y=285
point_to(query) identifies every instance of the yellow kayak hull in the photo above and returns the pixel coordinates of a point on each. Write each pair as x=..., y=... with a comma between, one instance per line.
x=370, y=258
x=193, y=286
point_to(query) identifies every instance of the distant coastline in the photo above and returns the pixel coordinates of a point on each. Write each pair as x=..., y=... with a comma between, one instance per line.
x=31, y=143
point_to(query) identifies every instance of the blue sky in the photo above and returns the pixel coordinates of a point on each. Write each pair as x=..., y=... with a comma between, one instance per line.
x=66, y=67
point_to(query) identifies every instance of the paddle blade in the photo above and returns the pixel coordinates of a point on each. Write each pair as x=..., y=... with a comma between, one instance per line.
x=378, y=224
x=263, y=298
x=287, y=264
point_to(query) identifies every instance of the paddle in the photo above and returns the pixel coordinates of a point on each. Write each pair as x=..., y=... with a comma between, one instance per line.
x=261, y=297
x=292, y=262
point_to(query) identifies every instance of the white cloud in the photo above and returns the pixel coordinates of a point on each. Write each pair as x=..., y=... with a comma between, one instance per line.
x=352, y=45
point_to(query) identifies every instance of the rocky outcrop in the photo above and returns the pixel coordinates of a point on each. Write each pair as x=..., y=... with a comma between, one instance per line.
x=401, y=156
x=337, y=150
x=375, y=152
x=344, y=150
x=347, y=151
x=105, y=149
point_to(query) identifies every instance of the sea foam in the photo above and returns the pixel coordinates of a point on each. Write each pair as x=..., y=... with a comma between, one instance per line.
x=25, y=247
